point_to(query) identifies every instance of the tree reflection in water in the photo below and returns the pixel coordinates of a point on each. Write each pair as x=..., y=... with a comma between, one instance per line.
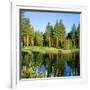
x=37, y=65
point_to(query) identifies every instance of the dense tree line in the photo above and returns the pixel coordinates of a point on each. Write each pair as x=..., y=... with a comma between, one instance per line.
x=54, y=36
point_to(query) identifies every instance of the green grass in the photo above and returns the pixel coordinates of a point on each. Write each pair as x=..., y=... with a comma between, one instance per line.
x=46, y=50
x=68, y=51
x=40, y=49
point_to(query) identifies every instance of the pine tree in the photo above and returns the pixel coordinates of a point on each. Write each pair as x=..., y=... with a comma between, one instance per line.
x=27, y=31
x=48, y=35
x=38, y=38
x=78, y=36
x=59, y=34
x=73, y=35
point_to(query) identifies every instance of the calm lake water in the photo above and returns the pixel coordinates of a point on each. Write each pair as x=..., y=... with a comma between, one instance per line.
x=52, y=65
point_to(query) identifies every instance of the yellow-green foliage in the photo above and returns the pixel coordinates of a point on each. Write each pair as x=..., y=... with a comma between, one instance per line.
x=68, y=44
x=27, y=72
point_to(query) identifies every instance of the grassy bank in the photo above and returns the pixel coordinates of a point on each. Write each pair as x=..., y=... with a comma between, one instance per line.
x=47, y=50
x=40, y=49
x=63, y=51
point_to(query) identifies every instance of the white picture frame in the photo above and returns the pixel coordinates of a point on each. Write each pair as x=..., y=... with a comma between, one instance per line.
x=15, y=81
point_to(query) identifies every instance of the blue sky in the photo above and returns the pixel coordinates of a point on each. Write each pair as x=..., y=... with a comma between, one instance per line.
x=39, y=20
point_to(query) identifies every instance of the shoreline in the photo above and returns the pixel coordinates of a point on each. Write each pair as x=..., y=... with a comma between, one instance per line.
x=45, y=50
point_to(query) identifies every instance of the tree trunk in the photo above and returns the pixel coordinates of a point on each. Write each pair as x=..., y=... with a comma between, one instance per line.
x=74, y=43
x=49, y=42
x=27, y=40
x=24, y=41
x=57, y=42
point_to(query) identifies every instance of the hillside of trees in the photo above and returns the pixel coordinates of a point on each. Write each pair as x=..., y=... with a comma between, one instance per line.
x=54, y=36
